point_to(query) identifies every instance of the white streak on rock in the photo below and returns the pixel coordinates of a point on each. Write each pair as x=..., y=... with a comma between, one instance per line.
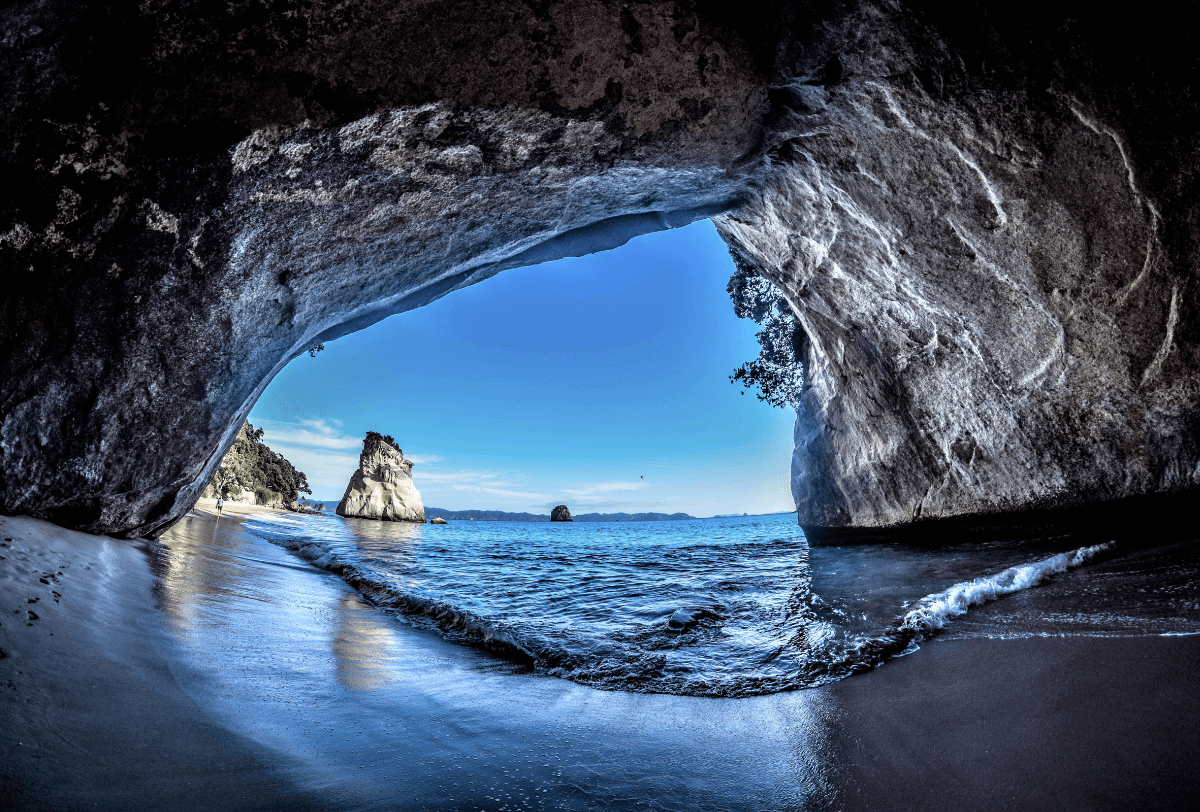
x=1164, y=350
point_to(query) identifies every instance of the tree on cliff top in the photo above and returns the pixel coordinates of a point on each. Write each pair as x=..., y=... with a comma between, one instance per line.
x=374, y=437
x=778, y=371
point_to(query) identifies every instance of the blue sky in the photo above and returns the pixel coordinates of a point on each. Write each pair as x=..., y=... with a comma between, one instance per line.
x=600, y=382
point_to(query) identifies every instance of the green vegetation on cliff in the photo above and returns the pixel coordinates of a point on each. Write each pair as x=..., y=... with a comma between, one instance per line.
x=778, y=371
x=374, y=438
x=251, y=467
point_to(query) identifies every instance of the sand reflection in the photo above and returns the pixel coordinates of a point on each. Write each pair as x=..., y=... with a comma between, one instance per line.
x=361, y=645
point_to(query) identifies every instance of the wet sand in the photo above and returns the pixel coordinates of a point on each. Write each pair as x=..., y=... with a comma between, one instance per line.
x=92, y=716
x=215, y=671
x=1042, y=723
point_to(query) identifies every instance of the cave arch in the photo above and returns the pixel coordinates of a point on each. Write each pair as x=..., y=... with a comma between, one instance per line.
x=985, y=226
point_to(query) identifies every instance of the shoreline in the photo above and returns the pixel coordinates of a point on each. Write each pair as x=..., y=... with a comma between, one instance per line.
x=212, y=669
x=239, y=510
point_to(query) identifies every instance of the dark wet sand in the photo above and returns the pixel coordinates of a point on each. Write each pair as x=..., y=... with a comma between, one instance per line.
x=215, y=671
x=1042, y=723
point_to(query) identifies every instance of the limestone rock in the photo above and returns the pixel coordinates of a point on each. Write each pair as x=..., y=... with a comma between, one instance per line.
x=438, y=520
x=561, y=514
x=382, y=487
x=991, y=293
x=985, y=216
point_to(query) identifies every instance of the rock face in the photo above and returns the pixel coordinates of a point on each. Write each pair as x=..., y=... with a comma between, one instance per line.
x=986, y=221
x=382, y=487
x=993, y=285
x=561, y=514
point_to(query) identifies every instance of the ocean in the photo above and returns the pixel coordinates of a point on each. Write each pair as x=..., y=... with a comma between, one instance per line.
x=734, y=607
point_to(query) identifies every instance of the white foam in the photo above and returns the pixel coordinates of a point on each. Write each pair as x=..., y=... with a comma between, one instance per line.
x=933, y=611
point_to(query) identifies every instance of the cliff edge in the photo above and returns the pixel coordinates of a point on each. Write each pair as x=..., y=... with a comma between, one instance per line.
x=382, y=487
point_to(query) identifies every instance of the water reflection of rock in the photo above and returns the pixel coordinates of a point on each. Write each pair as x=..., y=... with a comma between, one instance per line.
x=196, y=565
x=361, y=645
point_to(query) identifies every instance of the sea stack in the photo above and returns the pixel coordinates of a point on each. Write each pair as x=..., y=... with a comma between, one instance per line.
x=382, y=487
x=561, y=514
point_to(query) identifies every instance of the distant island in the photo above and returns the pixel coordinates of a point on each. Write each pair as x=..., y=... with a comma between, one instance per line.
x=503, y=516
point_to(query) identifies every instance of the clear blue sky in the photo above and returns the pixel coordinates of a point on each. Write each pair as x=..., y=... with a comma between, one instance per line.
x=600, y=382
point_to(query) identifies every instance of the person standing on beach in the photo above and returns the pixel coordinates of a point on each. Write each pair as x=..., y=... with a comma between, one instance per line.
x=220, y=504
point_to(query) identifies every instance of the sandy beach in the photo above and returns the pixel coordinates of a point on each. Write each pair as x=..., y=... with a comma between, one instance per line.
x=213, y=670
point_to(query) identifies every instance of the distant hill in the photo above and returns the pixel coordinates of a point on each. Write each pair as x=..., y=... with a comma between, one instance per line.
x=503, y=516
x=630, y=517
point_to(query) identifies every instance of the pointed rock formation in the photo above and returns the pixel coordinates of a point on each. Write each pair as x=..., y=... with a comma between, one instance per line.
x=382, y=487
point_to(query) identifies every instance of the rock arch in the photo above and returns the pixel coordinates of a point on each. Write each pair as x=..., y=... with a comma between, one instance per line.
x=986, y=225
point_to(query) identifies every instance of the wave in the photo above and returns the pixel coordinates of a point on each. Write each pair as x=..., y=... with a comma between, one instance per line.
x=931, y=614
x=635, y=660
x=457, y=623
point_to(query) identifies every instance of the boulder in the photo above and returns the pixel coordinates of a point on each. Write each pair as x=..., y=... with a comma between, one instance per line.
x=561, y=514
x=382, y=487
x=438, y=520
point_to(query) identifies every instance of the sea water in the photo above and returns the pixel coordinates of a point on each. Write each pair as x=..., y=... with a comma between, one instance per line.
x=734, y=606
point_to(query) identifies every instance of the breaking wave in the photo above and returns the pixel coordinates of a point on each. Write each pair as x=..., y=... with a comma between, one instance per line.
x=751, y=624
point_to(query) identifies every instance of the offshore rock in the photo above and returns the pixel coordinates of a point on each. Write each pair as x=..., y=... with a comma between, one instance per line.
x=561, y=514
x=382, y=487
x=986, y=217
x=438, y=520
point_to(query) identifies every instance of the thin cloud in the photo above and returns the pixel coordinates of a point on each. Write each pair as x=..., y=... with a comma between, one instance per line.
x=310, y=433
x=612, y=506
x=481, y=489
x=483, y=483
x=327, y=471
x=589, y=491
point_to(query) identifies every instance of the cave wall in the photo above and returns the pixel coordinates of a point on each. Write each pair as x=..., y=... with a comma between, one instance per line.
x=983, y=217
x=990, y=242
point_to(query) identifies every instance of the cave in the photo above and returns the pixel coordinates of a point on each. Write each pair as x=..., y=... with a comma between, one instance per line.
x=984, y=218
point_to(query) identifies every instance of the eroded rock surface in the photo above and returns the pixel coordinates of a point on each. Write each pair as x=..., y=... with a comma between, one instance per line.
x=985, y=217
x=382, y=487
x=561, y=514
x=993, y=279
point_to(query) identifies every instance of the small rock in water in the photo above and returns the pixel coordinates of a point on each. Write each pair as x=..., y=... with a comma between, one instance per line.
x=561, y=514
x=438, y=520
